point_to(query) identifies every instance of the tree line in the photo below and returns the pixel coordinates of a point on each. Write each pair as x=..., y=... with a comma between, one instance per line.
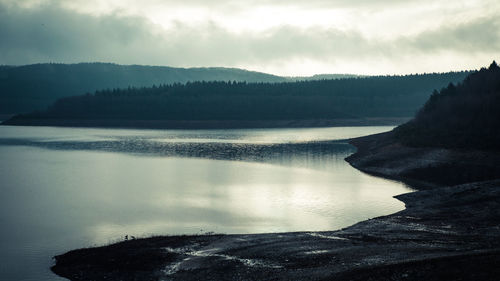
x=380, y=96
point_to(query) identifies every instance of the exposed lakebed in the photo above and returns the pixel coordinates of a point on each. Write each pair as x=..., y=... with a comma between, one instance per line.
x=66, y=188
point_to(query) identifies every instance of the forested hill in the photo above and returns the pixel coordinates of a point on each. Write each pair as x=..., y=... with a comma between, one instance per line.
x=386, y=96
x=34, y=87
x=463, y=116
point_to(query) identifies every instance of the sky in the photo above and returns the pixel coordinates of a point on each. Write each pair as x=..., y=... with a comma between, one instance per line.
x=283, y=37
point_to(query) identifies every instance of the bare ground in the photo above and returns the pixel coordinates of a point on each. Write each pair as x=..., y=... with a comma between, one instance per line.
x=423, y=167
x=450, y=233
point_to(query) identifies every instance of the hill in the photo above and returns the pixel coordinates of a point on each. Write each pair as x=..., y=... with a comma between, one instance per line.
x=462, y=116
x=34, y=87
x=453, y=139
x=352, y=98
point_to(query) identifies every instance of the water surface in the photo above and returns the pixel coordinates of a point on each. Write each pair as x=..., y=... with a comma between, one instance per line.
x=65, y=188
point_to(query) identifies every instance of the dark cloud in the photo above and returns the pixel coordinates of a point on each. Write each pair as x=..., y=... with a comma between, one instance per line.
x=51, y=33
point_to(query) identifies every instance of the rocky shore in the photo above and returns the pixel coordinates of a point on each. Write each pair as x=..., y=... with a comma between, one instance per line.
x=422, y=167
x=446, y=232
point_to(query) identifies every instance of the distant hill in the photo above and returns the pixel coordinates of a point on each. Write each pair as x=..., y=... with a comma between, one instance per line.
x=462, y=116
x=34, y=87
x=371, y=97
x=324, y=76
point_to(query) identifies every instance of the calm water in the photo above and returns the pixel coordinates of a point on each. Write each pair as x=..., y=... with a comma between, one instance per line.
x=65, y=188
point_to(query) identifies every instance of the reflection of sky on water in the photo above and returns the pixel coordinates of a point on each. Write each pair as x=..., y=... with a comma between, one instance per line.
x=318, y=148
x=200, y=136
x=62, y=191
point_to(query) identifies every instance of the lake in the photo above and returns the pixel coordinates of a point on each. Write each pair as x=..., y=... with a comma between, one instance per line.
x=67, y=188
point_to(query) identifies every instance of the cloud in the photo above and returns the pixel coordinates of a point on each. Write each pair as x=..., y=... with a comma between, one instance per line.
x=479, y=35
x=54, y=34
x=49, y=32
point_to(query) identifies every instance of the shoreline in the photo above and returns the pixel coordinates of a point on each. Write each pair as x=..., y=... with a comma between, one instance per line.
x=422, y=167
x=205, y=124
x=444, y=233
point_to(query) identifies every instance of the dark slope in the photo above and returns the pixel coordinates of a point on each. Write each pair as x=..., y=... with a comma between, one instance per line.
x=358, y=98
x=34, y=87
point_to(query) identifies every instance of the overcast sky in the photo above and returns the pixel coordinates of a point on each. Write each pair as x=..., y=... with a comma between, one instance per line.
x=284, y=37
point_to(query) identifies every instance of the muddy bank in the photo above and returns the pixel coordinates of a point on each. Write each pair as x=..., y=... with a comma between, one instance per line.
x=450, y=233
x=423, y=168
